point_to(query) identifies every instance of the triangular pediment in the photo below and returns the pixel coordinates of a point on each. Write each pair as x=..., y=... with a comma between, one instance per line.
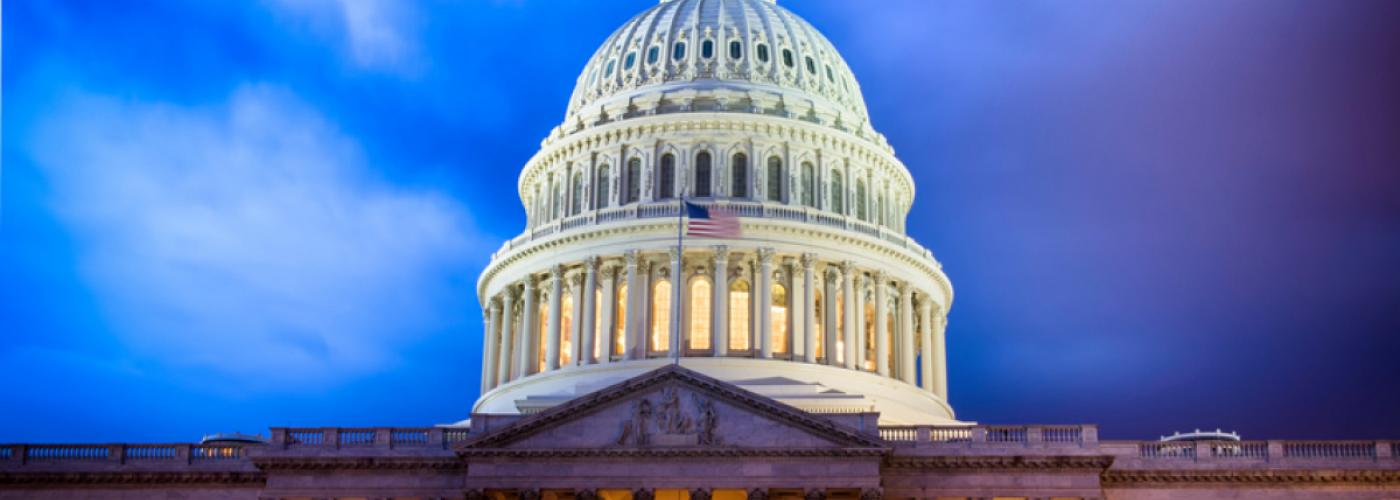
x=672, y=408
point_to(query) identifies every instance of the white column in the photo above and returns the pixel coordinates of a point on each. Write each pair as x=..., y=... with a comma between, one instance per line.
x=588, y=337
x=719, y=322
x=678, y=296
x=848, y=328
x=796, y=336
x=489, y=349
x=551, y=328
x=882, y=341
x=809, y=310
x=940, y=357
x=528, y=361
x=765, y=302
x=906, y=334
x=609, y=312
x=633, y=323
x=508, y=334
x=861, y=282
x=829, y=313
x=926, y=342
x=576, y=329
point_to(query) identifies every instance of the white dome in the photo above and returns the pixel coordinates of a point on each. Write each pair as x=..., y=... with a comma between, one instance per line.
x=742, y=45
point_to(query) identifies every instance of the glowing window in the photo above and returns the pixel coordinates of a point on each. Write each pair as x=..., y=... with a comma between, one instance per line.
x=620, y=321
x=739, y=316
x=661, y=316
x=867, y=358
x=779, y=318
x=819, y=327
x=700, y=313
x=566, y=329
x=599, y=336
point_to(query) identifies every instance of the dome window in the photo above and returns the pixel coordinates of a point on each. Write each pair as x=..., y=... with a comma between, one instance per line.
x=811, y=66
x=762, y=53
x=678, y=52
x=787, y=58
x=653, y=54
x=631, y=60
x=831, y=77
x=607, y=72
x=707, y=49
x=736, y=50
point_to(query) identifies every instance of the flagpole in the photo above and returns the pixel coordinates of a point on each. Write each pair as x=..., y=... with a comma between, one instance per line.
x=678, y=273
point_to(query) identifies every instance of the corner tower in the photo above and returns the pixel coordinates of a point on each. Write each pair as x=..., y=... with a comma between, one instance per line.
x=822, y=302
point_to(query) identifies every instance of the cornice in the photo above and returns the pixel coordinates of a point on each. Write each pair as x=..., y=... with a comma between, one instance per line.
x=1003, y=462
x=133, y=478
x=1152, y=478
x=670, y=452
x=358, y=463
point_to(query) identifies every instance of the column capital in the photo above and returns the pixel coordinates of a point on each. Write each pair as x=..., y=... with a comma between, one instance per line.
x=848, y=267
x=925, y=305
x=556, y=271
x=765, y=256
x=808, y=260
x=590, y=265
x=630, y=257
x=904, y=289
x=881, y=276
x=576, y=279
x=674, y=252
x=833, y=274
x=721, y=253
x=607, y=271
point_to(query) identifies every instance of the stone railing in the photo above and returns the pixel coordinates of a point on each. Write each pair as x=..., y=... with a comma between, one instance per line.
x=1257, y=451
x=981, y=436
x=121, y=454
x=376, y=437
x=670, y=209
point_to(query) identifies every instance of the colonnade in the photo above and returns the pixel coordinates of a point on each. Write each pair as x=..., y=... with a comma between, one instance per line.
x=616, y=308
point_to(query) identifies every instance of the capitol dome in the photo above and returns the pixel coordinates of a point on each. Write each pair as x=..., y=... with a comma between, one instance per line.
x=819, y=299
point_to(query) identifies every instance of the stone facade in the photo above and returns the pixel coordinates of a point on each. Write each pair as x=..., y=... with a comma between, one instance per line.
x=674, y=433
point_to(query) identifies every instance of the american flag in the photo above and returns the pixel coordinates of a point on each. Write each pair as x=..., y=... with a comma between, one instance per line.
x=707, y=222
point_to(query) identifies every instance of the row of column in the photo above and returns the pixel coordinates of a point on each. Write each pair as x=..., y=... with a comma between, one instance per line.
x=511, y=348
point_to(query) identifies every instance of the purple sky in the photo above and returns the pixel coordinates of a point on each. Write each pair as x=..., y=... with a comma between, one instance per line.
x=1156, y=215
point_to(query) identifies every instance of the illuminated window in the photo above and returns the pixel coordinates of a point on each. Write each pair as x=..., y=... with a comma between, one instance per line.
x=599, y=336
x=867, y=358
x=700, y=313
x=566, y=329
x=889, y=342
x=819, y=327
x=840, y=327
x=739, y=176
x=739, y=316
x=543, y=335
x=779, y=319
x=620, y=321
x=661, y=316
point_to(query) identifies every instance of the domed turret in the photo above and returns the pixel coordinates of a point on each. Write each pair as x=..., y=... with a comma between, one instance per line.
x=819, y=300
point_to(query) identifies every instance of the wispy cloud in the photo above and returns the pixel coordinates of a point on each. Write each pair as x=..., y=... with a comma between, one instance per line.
x=251, y=238
x=378, y=35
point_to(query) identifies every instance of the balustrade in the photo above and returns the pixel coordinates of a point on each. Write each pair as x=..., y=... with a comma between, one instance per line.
x=1331, y=449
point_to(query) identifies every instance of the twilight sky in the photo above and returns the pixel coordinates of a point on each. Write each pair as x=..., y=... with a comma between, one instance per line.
x=1157, y=215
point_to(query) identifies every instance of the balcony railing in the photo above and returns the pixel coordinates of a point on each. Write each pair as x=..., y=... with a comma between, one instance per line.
x=121, y=453
x=670, y=209
x=990, y=435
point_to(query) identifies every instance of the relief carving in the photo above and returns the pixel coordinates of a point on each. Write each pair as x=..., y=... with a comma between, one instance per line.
x=674, y=424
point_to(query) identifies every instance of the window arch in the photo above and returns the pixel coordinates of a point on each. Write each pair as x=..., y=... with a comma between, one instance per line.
x=736, y=50
x=600, y=189
x=775, y=179
x=809, y=185
x=778, y=318
x=700, y=300
x=661, y=316
x=667, y=177
x=739, y=307
x=739, y=176
x=702, y=174
x=634, y=182
x=838, y=193
x=860, y=199
x=576, y=203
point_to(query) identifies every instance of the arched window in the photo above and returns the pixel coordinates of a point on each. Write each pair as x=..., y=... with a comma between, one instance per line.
x=739, y=316
x=619, y=320
x=600, y=337
x=819, y=326
x=867, y=358
x=667, y=177
x=600, y=189
x=736, y=50
x=566, y=329
x=739, y=176
x=890, y=358
x=811, y=66
x=775, y=179
x=809, y=185
x=762, y=53
x=700, y=312
x=678, y=52
x=778, y=316
x=880, y=209
x=787, y=58
x=661, y=316
x=707, y=49
x=556, y=200
x=702, y=174
x=831, y=77
x=840, y=326
x=838, y=193
x=653, y=54
x=607, y=73
x=634, y=180
x=541, y=319
x=576, y=203
x=629, y=61
x=860, y=199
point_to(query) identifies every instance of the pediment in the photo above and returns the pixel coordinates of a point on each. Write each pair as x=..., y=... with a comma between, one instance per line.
x=672, y=408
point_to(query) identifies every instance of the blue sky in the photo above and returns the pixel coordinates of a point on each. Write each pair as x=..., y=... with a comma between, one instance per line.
x=1158, y=215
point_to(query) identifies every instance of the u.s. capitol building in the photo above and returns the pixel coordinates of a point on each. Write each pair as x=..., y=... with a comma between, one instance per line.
x=799, y=356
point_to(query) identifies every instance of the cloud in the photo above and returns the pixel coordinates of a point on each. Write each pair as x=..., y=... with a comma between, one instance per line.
x=373, y=34
x=251, y=238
